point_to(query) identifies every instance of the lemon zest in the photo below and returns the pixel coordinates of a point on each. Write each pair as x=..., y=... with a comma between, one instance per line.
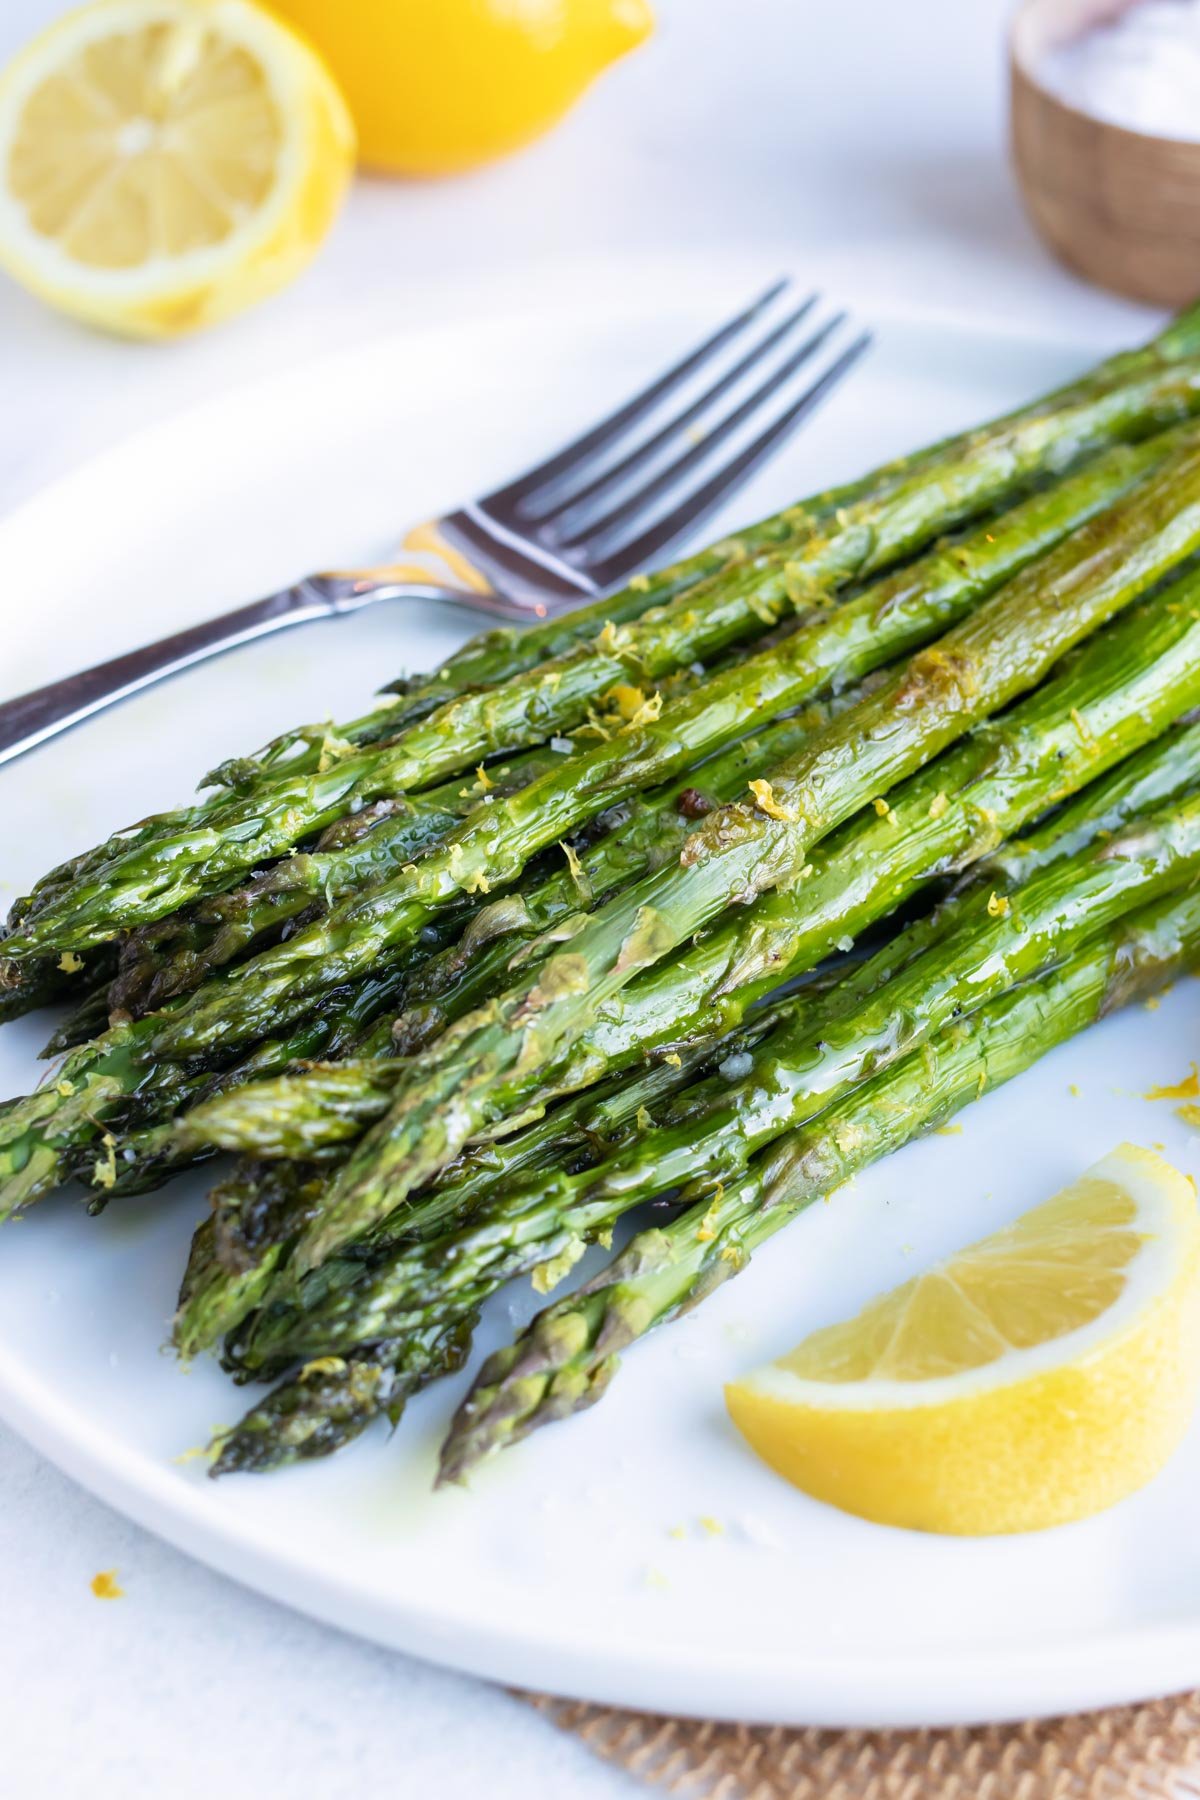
x=1187, y=1089
x=104, y=1169
x=764, y=799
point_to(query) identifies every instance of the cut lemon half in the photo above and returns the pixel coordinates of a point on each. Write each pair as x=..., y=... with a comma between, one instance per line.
x=1033, y=1378
x=165, y=163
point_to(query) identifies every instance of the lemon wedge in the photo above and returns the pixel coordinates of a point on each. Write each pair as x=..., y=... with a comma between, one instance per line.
x=1034, y=1378
x=166, y=163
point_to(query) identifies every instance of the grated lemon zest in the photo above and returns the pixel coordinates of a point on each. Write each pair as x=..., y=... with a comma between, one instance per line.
x=104, y=1170
x=764, y=799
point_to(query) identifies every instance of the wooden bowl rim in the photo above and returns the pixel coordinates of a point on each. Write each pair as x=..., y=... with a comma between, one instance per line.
x=1021, y=70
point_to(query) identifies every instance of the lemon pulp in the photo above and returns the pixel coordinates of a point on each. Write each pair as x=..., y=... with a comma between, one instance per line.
x=1033, y=1378
x=166, y=162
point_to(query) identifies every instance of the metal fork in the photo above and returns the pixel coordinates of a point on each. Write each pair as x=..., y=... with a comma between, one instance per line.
x=566, y=531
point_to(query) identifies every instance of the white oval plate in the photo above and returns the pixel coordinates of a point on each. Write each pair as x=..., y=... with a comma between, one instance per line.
x=578, y=1562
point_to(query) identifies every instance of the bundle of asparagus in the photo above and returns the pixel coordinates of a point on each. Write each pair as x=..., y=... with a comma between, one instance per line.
x=576, y=923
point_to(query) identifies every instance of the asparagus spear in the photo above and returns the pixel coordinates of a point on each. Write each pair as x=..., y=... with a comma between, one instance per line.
x=566, y=1358
x=497, y=656
x=69, y=1127
x=1118, y=692
x=490, y=1063
x=174, y=955
x=236, y=1249
x=1078, y=726
x=215, y=1300
x=85, y=1021
x=491, y=658
x=156, y=878
x=639, y=834
x=1160, y=772
x=803, y=1066
x=493, y=844
x=330, y=1402
x=318, y=1110
x=503, y=652
x=45, y=982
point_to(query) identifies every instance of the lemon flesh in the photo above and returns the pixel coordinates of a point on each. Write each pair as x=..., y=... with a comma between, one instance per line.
x=1034, y=1378
x=165, y=163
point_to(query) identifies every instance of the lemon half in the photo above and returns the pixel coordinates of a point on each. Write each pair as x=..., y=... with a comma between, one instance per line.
x=1034, y=1378
x=165, y=163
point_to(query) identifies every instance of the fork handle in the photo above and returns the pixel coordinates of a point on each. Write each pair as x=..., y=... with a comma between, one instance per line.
x=32, y=718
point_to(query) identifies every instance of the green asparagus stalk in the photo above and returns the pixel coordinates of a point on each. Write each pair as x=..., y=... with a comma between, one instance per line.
x=87, y=1020
x=566, y=1358
x=331, y=1402
x=1121, y=690
x=1077, y=726
x=45, y=982
x=493, y=845
x=317, y=1111
x=1114, y=695
x=639, y=834
x=215, y=1299
x=174, y=955
x=500, y=654
x=864, y=540
x=490, y=1063
x=92, y=1118
x=486, y=661
x=236, y=1249
x=801, y=1068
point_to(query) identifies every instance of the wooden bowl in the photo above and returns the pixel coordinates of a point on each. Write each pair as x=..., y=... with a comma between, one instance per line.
x=1120, y=207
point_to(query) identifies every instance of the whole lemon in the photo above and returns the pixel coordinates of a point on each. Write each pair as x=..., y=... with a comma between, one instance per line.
x=441, y=85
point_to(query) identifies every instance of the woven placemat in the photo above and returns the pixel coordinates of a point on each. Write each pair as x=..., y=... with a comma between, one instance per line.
x=1127, y=1753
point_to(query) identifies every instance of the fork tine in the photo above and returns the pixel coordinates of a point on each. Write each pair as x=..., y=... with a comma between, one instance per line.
x=642, y=551
x=619, y=472
x=588, y=539
x=515, y=493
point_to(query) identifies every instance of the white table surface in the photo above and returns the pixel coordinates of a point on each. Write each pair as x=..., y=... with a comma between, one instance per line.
x=861, y=136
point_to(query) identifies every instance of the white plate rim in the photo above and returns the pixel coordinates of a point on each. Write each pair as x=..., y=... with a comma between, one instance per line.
x=1074, y=1674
